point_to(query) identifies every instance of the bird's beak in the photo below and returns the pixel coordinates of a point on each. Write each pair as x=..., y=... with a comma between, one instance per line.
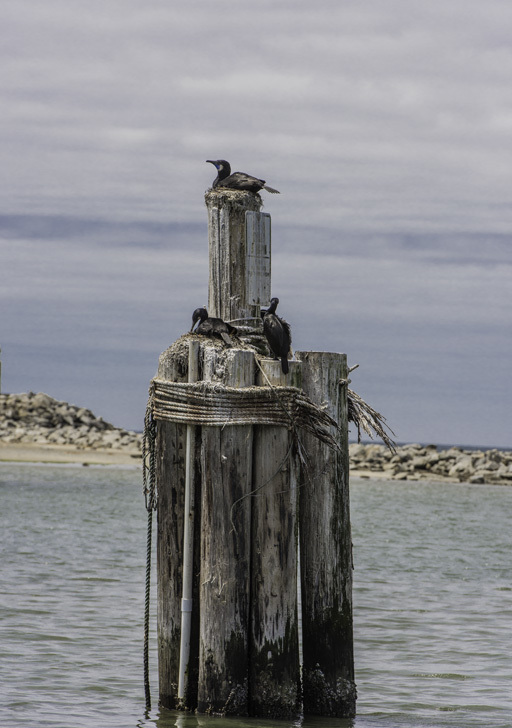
x=209, y=161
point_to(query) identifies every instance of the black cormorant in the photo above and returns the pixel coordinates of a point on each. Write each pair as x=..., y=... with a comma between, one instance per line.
x=278, y=334
x=212, y=326
x=237, y=180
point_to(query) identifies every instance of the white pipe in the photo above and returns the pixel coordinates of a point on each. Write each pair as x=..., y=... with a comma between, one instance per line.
x=188, y=534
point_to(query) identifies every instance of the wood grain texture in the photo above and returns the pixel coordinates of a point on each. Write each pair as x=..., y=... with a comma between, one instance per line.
x=226, y=464
x=275, y=673
x=239, y=264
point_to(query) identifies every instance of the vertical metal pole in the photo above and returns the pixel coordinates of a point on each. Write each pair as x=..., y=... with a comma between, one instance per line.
x=188, y=536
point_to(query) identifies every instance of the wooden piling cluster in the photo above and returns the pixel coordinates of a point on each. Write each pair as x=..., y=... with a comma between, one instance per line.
x=265, y=499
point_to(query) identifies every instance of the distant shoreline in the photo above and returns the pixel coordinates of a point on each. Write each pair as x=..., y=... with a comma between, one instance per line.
x=358, y=474
x=367, y=462
x=419, y=462
x=38, y=428
x=62, y=454
x=35, y=428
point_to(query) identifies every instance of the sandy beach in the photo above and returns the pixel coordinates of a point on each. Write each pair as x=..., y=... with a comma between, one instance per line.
x=127, y=457
x=26, y=453
x=62, y=454
x=48, y=453
x=365, y=474
x=29, y=453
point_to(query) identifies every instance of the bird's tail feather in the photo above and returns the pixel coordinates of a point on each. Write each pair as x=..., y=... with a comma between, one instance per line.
x=226, y=338
x=284, y=364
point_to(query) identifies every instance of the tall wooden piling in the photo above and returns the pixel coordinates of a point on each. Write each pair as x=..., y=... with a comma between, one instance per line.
x=226, y=465
x=239, y=255
x=326, y=547
x=275, y=670
x=259, y=485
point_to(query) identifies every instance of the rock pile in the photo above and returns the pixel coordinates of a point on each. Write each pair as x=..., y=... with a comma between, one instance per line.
x=416, y=462
x=40, y=419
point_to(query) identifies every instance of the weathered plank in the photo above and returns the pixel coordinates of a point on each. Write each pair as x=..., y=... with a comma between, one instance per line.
x=258, y=251
x=274, y=674
x=325, y=549
x=226, y=463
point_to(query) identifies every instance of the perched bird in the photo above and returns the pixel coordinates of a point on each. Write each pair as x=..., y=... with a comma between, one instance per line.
x=237, y=180
x=278, y=334
x=212, y=326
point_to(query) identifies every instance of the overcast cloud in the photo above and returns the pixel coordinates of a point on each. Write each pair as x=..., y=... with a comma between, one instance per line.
x=387, y=126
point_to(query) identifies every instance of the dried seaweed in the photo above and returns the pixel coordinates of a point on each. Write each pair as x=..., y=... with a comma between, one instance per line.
x=368, y=419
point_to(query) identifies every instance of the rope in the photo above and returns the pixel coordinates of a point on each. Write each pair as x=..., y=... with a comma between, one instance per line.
x=149, y=489
x=147, y=690
x=216, y=405
x=249, y=321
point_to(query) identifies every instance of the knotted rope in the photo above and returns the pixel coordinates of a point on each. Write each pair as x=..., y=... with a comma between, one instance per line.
x=216, y=405
x=149, y=489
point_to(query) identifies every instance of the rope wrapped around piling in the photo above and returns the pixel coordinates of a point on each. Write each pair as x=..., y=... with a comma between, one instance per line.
x=216, y=405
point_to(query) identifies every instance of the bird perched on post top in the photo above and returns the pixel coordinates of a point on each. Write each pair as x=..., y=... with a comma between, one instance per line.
x=212, y=326
x=278, y=334
x=237, y=180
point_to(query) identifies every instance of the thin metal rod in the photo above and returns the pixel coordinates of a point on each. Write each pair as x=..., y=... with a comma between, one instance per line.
x=188, y=536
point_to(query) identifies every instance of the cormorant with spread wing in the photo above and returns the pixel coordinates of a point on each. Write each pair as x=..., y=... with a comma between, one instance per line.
x=237, y=180
x=212, y=326
x=278, y=334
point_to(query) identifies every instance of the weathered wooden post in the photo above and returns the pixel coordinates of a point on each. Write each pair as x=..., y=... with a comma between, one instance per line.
x=243, y=442
x=326, y=547
x=239, y=255
x=275, y=669
x=225, y=547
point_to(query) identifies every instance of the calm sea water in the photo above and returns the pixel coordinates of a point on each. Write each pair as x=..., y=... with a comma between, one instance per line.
x=432, y=602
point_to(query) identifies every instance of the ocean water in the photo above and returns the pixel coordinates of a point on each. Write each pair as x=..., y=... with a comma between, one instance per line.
x=432, y=604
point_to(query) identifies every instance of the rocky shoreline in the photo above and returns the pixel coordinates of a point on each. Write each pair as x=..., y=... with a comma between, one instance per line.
x=57, y=431
x=40, y=420
x=419, y=462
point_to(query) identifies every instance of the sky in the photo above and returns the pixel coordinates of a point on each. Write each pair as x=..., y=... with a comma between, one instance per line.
x=387, y=127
